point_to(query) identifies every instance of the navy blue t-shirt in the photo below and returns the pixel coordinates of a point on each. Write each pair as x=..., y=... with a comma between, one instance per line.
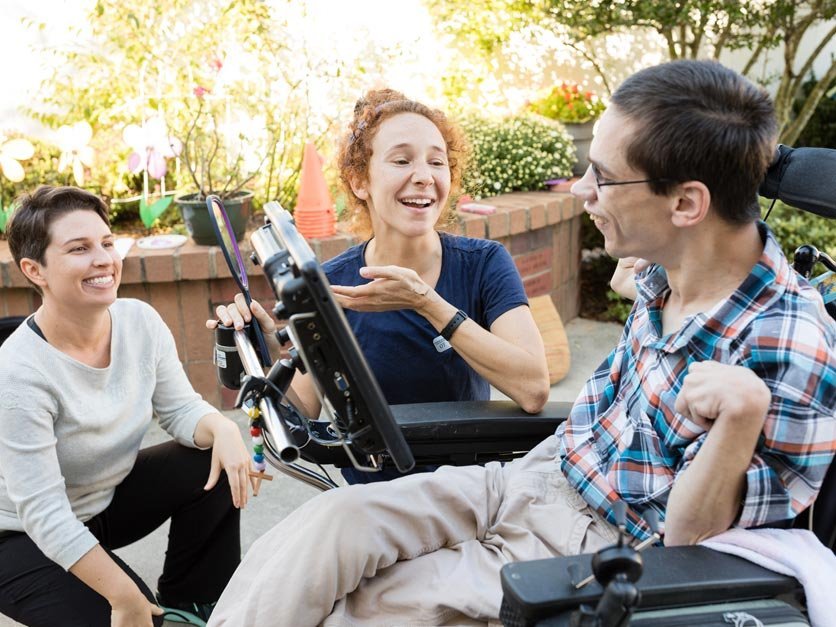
x=477, y=276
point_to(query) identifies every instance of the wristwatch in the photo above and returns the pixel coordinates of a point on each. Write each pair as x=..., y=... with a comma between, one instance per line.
x=442, y=341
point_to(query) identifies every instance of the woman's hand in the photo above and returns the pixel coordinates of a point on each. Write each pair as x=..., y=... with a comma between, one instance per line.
x=128, y=605
x=136, y=611
x=623, y=281
x=392, y=287
x=237, y=314
x=229, y=453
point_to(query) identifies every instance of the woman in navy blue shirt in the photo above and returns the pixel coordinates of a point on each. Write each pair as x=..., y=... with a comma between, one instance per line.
x=439, y=317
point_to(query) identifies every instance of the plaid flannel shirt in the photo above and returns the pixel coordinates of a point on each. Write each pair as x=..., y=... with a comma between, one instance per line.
x=623, y=439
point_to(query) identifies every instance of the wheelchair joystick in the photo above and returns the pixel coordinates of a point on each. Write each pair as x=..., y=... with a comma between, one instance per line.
x=619, y=559
x=616, y=568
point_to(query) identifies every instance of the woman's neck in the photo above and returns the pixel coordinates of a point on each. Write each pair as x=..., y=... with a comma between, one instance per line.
x=84, y=335
x=422, y=254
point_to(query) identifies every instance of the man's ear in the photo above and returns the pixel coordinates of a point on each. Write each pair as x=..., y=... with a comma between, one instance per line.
x=693, y=202
x=31, y=269
x=360, y=189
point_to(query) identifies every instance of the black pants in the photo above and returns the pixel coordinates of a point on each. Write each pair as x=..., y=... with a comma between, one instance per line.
x=203, y=543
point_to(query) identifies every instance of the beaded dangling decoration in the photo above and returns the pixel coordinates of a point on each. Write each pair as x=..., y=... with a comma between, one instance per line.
x=258, y=475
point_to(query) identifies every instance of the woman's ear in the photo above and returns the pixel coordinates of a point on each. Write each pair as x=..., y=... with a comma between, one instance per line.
x=693, y=202
x=360, y=189
x=31, y=269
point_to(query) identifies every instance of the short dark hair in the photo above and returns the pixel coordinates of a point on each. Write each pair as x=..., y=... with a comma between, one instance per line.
x=698, y=120
x=28, y=231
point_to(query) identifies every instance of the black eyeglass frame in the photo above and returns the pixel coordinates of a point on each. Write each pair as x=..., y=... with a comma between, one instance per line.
x=599, y=184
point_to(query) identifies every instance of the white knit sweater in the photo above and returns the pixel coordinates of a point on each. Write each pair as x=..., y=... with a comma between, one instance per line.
x=70, y=433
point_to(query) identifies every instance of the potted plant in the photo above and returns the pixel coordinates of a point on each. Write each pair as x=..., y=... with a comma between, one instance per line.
x=577, y=110
x=217, y=153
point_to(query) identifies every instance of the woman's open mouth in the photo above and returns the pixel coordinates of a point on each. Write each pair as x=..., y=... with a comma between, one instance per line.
x=100, y=281
x=417, y=203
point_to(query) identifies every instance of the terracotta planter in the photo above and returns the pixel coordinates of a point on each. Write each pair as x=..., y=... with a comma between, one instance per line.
x=196, y=216
x=581, y=135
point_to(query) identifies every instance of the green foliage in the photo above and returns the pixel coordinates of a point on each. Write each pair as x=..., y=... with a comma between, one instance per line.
x=567, y=103
x=517, y=153
x=618, y=309
x=821, y=129
x=794, y=227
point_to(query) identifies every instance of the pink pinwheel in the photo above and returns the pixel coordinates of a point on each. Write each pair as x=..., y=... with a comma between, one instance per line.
x=152, y=145
x=11, y=152
x=75, y=151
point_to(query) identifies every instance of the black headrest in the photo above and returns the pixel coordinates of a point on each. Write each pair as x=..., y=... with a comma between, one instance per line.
x=804, y=178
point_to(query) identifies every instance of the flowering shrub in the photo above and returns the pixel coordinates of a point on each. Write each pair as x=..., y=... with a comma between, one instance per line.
x=567, y=103
x=515, y=154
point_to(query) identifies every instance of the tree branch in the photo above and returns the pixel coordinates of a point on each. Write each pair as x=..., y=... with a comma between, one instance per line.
x=791, y=133
x=589, y=57
x=805, y=69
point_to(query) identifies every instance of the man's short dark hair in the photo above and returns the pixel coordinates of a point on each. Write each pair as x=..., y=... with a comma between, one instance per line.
x=698, y=120
x=28, y=230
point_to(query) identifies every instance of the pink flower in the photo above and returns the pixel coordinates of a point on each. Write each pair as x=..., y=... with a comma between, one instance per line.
x=200, y=91
x=152, y=145
x=216, y=64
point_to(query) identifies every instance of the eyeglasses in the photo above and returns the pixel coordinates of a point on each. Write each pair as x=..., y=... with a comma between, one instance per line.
x=601, y=182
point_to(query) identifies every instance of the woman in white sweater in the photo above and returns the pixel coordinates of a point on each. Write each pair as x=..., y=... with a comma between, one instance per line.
x=81, y=379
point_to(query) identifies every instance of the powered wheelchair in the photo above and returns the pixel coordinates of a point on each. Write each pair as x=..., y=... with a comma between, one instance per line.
x=362, y=431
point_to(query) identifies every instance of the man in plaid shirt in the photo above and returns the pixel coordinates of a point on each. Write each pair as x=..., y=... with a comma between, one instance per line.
x=715, y=409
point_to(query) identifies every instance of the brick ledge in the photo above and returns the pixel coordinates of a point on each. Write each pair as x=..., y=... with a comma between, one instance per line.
x=516, y=213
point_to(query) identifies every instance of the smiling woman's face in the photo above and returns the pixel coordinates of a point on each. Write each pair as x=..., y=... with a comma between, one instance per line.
x=408, y=177
x=81, y=265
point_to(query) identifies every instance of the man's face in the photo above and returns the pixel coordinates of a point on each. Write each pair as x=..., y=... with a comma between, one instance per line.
x=634, y=221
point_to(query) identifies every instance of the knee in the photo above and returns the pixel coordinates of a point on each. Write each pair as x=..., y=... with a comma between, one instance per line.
x=344, y=513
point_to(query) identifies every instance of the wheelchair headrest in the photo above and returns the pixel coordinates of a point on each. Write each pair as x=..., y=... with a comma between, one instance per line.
x=804, y=178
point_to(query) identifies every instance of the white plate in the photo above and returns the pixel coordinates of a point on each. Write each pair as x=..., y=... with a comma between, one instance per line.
x=157, y=242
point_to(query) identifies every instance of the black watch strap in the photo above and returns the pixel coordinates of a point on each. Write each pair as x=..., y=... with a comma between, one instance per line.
x=455, y=322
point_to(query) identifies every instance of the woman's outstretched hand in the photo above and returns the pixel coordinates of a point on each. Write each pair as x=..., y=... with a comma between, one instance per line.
x=392, y=287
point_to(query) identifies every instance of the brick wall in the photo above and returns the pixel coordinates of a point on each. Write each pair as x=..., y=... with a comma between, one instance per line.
x=541, y=230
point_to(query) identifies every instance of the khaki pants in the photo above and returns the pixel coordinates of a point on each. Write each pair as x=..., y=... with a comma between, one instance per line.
x=421, y=550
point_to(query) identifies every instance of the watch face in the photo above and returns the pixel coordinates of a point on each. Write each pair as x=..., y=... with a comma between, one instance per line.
x=441, y=344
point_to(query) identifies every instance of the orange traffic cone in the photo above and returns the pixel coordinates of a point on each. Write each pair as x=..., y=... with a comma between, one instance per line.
x=314, y=213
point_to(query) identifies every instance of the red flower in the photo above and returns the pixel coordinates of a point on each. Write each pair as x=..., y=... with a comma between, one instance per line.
x=216, y=64
x=200, y=91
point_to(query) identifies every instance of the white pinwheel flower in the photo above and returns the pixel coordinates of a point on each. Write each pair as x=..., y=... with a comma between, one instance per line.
x=152, y=145
x=11, y=153
x=76, y=153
